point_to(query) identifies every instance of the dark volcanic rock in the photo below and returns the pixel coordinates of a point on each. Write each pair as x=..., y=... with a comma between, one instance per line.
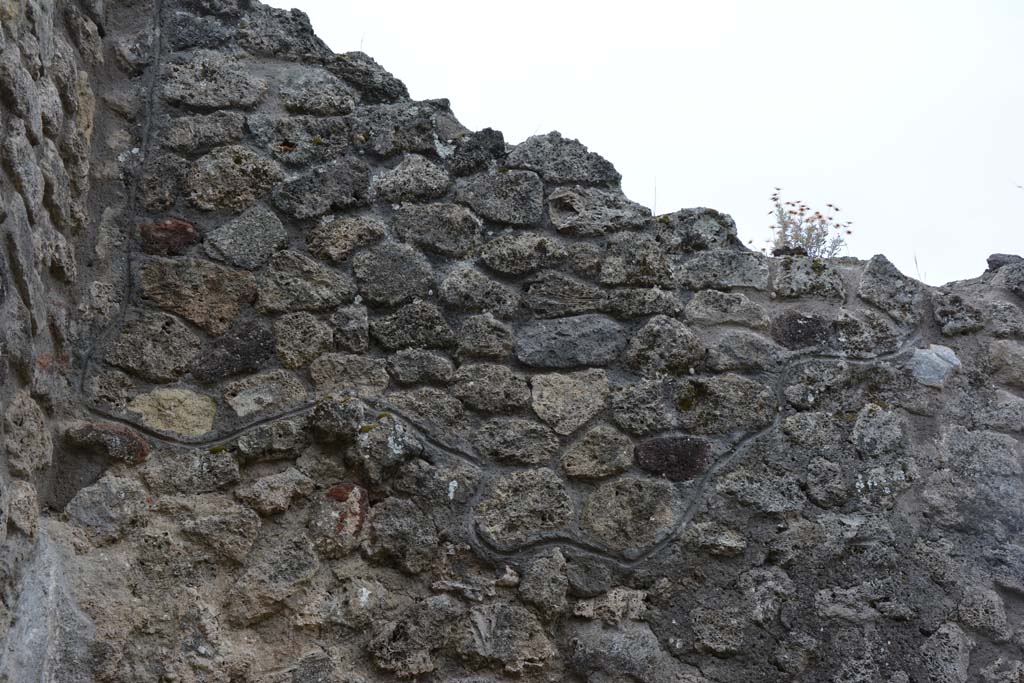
x=677, y=458
x=243, y=348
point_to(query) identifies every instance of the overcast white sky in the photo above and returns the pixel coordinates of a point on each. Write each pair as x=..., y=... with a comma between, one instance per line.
x=907, y=114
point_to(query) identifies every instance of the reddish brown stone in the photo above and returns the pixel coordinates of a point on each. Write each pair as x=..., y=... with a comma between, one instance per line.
x=116, y=442
x=337, y=522
x=169, y=237
x=677, y=458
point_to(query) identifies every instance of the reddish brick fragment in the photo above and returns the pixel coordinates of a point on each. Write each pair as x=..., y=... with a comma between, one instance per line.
x=115, y=442
x=169, y=237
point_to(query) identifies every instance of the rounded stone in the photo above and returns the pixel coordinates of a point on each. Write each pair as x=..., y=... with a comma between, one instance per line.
x=593, y=340
x=515, y=253
x=295, y=282
x=249, y=240
x=175, y=410
x=390, y=274
x=209, y=80
x=204, y=293
x=300, y=337
x=416, y=366
x=154, y=346
x=334, y=239
x=169, y=237
x=413, y=178
x=724, y=404
x=514, y=197
x=630, y=514
x=490, y=388
x=271, y=390
x=522, y=507
x=567, y=401
x=317, y=92
x=445, y=229
x=349, y=372
x=243, y=348
x=514, y=439
x=562, y=160
x=483, y=336
x=466, y=288
x=664, y=345
x=339, y=184
x=676, y=458
x=711, y=307
x=230, y=178
x=883, y=285
x=418, y=324
x=601, y=452
x=642, y=407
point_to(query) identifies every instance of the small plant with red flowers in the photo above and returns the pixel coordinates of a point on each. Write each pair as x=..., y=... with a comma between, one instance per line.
x=800, y=230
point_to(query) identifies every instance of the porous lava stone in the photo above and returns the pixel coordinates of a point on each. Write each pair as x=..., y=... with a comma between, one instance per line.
x=677, y=458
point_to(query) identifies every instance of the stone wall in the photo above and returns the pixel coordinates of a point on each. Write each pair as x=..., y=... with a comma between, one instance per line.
x=305, y=382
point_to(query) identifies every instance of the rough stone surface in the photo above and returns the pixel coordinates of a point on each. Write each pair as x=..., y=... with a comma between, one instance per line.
x=569, y=342
x=301, y=381
x=522, y=507
x=230, y=178
x=515, y=253
x=562, y=161
x=484, y=336
x=271, y=390
x=445, y=229
x=467, y=289
x=154, y=346
x=300, y=337
x=417, y=324
x=490, y=388
x=416, y=366
x=245, y=347
x=204, y=293
x=175, y=410
x=664, y=345
x=115, y=442
x=390, y=274
x=568, y=401
x=589, y=212
x=711, y=307
x=414, y=178
x=27, y=442
x=348, y=372
x=601, y=452
x=723, y=404
x=630, y=513
x=724, y=270
x=801, y=276
x=210, y=80
x=886, y=287
x=513, y=439
x=295, y=282
x=677, y=458
x=513, y=197
x=335, y=239
x=339, y=184
x=247, y=241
